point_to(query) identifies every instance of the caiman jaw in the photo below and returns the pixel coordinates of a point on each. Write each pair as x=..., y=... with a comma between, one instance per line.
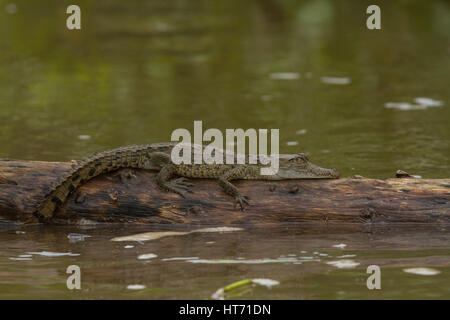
x=328, y=173
x=316, y=172
x=309, y=172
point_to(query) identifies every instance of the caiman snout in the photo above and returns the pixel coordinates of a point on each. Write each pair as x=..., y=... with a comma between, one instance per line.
x=335, y=173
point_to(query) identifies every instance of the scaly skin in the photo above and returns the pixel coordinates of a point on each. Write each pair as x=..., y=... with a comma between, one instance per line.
x=125, y=157
x=157, y=157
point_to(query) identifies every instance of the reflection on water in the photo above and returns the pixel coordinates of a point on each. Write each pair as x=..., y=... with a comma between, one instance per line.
x=308, y=262
x=140, y=69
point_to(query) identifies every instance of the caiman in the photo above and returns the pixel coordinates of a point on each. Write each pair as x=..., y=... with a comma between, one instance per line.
x=158, y=157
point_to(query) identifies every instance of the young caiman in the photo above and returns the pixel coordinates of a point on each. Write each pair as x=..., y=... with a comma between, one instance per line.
x=157, y=157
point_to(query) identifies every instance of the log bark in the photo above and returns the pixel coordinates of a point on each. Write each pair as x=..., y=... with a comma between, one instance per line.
x=110, y=198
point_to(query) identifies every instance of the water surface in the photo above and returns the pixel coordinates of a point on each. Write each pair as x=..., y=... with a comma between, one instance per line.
x=138, y=70
x=193, y=266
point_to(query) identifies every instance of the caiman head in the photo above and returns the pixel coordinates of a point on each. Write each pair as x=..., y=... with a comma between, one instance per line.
x=298, y=166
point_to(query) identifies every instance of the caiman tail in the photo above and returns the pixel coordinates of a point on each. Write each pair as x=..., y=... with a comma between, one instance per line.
x=83, y=171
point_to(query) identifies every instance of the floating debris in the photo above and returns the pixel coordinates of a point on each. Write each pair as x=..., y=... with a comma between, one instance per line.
x=11, y=8
x=179, y=258
x=404, y=174
x=54, y=254
x=404, y=106
x=128, y=246
x=347, y=256
x=421, y=104
x=231, y=289
x=162, y=27
x=218, y=229
x=428, y=102
x=340, y=245
x=20, y=259
x=147, y=256
x=344, y=264
x=335, y=80
x=284, y=76
x=25, y=255
x=84, y=221
x=241, y=261
x=84, y=137
x=422, y=271
x=135, y=287
x=292, y=143
x=156, y=235
x=74, y=237
x=269, y=283
x=148, y=236
x=302, y=131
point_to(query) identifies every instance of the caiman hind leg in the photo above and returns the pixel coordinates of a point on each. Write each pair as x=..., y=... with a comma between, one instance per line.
x=224, y=181
x=178, y=185
x=161, y=161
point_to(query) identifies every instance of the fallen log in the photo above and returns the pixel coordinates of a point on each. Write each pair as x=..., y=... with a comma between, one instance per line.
x=137, y=199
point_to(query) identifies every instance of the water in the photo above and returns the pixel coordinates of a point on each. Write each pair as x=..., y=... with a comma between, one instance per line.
x=138, y=70
x=195, y=265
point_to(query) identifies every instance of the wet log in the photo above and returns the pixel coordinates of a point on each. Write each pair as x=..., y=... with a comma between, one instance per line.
x=137, y=199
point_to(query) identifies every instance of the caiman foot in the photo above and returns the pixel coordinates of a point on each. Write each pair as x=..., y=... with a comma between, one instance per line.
x=179, y=186
x=241, y=200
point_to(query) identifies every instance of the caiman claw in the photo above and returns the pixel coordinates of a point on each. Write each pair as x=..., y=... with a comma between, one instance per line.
x=179, y=186
x=242, y=201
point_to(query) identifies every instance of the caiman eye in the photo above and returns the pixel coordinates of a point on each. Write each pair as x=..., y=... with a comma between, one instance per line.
x=299, y=158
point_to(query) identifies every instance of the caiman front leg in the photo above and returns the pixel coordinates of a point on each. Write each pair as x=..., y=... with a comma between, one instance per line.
x=229, y=188
x=179, y=185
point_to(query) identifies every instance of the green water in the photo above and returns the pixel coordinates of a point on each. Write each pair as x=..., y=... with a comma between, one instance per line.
x=108, y=268
x=137, y=70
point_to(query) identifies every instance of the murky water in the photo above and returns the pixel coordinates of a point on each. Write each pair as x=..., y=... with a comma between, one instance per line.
x=308, y=263
x=365, y=102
